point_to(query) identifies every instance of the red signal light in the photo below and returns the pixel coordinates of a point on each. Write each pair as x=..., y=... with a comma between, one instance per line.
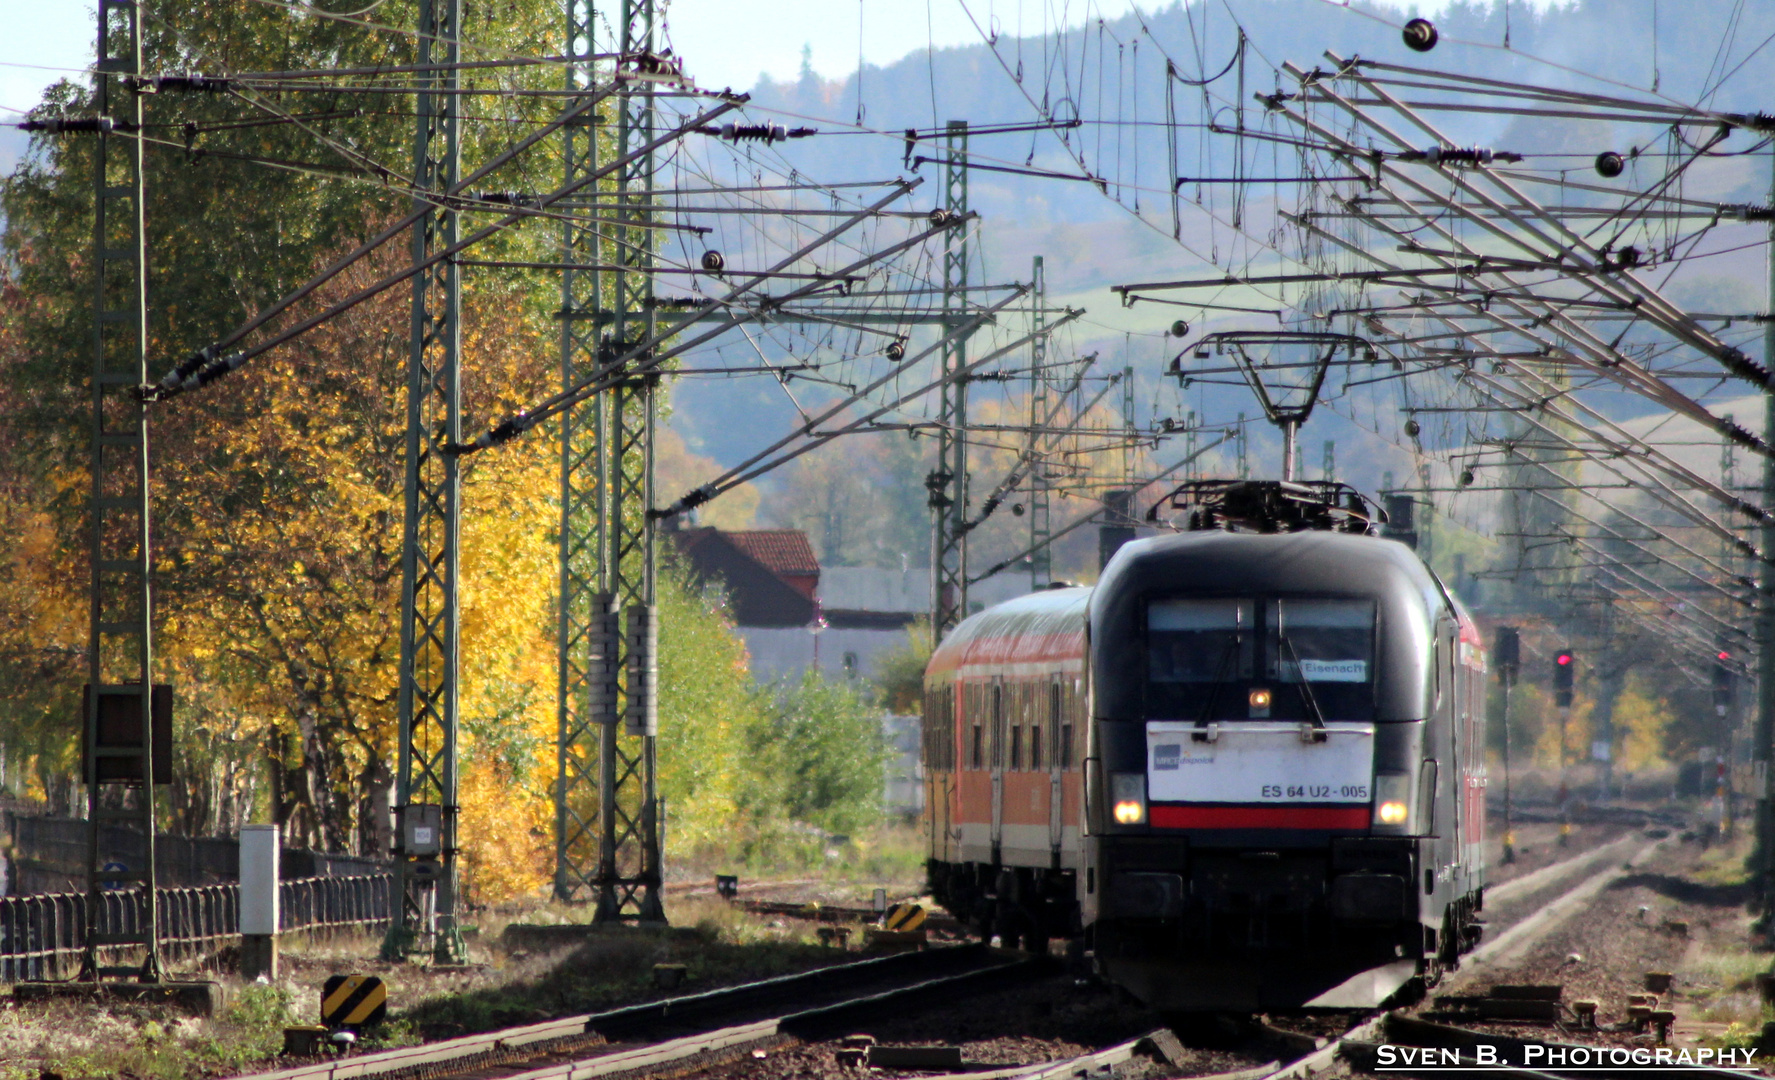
x=1563, y=659
x=1724, y=655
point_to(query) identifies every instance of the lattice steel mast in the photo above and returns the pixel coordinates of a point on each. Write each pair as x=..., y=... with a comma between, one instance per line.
x=425, y=798
x=607, y=821
x=120, y=642
x=948, y=483
x=1041, y=519
x=586, y=633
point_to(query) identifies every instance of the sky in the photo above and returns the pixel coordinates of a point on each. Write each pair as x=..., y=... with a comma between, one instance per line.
x=724, y=42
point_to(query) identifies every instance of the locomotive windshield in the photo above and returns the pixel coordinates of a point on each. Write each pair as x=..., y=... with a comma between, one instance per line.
x=1280, y=657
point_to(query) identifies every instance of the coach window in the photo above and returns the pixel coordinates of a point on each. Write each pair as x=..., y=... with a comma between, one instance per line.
x=979, y=739
x=1035, y=747
x=1055, y=712
x=997, y=716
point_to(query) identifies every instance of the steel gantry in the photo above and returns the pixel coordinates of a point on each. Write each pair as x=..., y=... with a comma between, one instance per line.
x=425, y=796
x=120, y=643
x=607, y=844
x=948, y=483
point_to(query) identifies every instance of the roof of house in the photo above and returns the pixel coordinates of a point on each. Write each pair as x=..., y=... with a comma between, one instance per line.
x=781, y=551
x=760, y=592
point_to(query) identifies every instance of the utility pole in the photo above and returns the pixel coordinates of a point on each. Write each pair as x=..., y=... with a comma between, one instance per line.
x=1763, y=749
x=1128, y=431
x=607, y=834
x=948, y=484
x=120, y=641
x=1041, y=519
x=424, y=881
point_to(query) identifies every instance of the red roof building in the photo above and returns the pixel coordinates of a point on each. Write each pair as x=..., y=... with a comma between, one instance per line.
x=771, y=575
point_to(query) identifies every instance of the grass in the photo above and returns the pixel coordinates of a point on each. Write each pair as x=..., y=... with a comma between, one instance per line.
x=889, y=854
x=718, y=943
x=77, y=1040
x=1727, y=863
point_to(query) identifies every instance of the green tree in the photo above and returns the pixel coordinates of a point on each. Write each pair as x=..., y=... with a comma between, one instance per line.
x=899, y=673
x=823, y=743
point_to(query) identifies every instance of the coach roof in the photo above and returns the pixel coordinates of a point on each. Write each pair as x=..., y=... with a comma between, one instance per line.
x=1043, y=626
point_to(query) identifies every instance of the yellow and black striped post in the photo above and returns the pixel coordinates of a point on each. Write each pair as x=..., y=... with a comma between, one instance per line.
x=353, y=1001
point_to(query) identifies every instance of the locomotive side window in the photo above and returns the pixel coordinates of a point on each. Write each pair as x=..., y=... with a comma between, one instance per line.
x=978, y=757
x=1016, y=763
x=1199, y=641
x=1066, y=761
x=1035, y=747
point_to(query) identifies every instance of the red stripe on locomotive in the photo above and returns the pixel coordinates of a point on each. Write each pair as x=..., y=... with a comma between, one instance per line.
x=1259, y=817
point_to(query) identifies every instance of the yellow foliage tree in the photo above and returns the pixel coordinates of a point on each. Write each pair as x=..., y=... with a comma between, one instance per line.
x=1642, y=718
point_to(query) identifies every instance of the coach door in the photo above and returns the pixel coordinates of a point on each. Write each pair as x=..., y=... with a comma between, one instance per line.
x=997, y=735
x=1055, y=708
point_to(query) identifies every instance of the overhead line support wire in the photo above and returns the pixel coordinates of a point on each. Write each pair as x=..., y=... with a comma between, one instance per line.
x=1561, y=239
x=207, y=365
x=1618, y=367
x=651, y=355
x=761, y=463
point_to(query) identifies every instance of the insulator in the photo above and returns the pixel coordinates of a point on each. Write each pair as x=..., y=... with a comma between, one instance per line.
x=1610, y=164
x=1179, y=328
x=1458, y=155
x=764, y=133
x=59, y=126
x=939, y=217
x=209, y=84
x=896, y=350
x=1420, y=35
x=1466, y=477
x=1412, y=429
x=713, y=261
x=641, y=707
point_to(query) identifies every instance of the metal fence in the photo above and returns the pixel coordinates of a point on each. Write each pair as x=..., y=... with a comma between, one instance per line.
x=42, y=936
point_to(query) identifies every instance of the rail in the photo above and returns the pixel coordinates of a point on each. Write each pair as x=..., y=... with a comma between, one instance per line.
x=43, y=936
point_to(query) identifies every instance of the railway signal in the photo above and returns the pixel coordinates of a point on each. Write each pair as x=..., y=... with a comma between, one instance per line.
x=1725, y=683
x=1507, y=654
x=1565, y=666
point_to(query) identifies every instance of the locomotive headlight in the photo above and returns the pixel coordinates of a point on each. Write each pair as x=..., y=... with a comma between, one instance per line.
x=1259, y=700
x=1392, y=801
x=1127, y=796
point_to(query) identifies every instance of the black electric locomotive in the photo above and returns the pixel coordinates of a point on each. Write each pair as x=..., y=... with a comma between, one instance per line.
x=1284, y=772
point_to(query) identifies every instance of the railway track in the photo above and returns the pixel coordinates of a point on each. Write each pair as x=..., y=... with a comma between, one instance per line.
x=710, y=1031
x=681, y=1031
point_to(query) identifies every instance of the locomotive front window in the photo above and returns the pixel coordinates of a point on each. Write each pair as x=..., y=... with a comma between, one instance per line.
x=1200, y=641
x=1330, y=641
x=1213, y=659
